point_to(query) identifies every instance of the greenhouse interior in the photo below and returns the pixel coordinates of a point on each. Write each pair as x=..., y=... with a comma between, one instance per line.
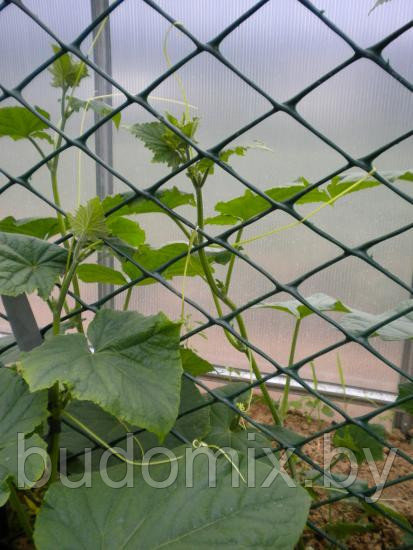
x=206, y=274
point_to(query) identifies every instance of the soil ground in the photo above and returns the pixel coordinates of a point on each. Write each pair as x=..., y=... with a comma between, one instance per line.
x=384, y=534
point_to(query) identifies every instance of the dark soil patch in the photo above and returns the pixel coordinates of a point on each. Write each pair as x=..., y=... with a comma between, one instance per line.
x=384, y=534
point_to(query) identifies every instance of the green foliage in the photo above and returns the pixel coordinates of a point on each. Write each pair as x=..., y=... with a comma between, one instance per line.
x=358, y=322
x=342, y=530
x=167, y=147
x=172, y=198
x=406, y=390
x=248, y=205
x=89, y=223
x=94, y=273
x=193, y=364
x=96, y=105
x=42, y=228
x=357, y=440
x=20, y=123
x=320, y=301
x=66, y=72
x=126, y=346
x=28, y=264
x=127, y=230
x=203, y=517
x=129, y=372
x=153, y=258
x=20, y=412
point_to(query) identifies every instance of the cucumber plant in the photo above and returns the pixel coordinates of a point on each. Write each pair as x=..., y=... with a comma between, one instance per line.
x=129, y=373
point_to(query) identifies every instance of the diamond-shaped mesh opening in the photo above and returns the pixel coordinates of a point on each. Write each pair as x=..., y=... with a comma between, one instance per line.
x=355, y=269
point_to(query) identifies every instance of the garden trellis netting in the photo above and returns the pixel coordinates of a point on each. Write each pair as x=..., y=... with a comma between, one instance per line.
x=201, y=239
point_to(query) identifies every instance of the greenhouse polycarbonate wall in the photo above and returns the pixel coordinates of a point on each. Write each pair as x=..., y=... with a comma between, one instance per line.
x=273, y=52
x=283, y=47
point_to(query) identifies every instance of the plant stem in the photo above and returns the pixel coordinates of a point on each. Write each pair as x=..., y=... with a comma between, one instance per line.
x=232, y=262
x=221, y=295
x=127, y=298
x=284, y=400
x=20, y=510
x=54, y=392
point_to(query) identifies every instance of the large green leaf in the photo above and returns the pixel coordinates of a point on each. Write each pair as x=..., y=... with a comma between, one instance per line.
x=97, y=105
x=20, y=412
x=226, y=430
x=153, y=258
x=11, y=355
x=133, y=372
x=249, y=204
x=42, y=228
x=356, y=439
x=66, y=71
x=320, y=301
x=192, y=363
x=191, y=425
x=358, y=322
x=10, y=457
x=20, y=123
x=172, y=198
x=28, y=264
x=95, y=273
x=177, y=516
x=127, y=230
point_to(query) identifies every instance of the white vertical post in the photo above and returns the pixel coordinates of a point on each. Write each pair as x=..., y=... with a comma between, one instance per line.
x=103, y=136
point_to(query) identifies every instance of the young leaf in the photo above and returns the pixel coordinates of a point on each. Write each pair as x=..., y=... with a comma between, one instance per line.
x=406, y=390
x=127, y=230
x=94, y=273
x=192, y=363
x=152, y=134
x=134, y=371
x=28, y=264
x=358, y=322
x=20, y=412
x=320, y=301
x=177, y=516
x=97, y=105
x=167, y=147
x=207, y=164
x=356, y=439
x=172, y=198
x=89, y=223
x=66, y=72
x=20, y=123
x=42, y=228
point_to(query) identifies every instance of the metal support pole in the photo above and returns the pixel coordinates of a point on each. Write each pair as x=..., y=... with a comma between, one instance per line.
x=103, y=136
x=404, y=420
x=22, y=322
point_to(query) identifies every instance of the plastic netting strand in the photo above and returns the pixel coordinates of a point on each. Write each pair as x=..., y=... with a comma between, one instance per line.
x=289, y=108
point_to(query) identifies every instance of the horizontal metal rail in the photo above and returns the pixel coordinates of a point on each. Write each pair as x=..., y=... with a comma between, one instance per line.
x=362, y=395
